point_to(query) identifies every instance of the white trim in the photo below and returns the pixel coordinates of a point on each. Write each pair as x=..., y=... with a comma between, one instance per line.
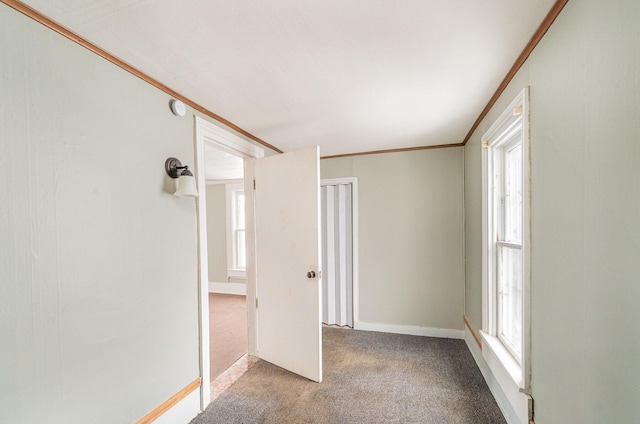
x=203, y=272
x=219, y=182
x=494, y=350
x=206, y=132
x=251, y=280
x=444, y=333
x=355, y=244
x=526, y=242
x=507, y=123
x=487, y=272
x=226, y=140
x=227, y=288
x=507, y=118
x=355, y=262
x=520, y=402
x=496, y=389
x=182, y=412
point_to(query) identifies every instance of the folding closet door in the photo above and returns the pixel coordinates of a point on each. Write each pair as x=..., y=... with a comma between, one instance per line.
x=337, y=254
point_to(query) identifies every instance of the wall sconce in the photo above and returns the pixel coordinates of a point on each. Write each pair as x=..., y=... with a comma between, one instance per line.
x=186, y=181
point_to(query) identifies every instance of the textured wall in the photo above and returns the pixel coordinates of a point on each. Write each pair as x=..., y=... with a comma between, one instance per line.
x=585, y=186
x=98, y=261
x=410, y=235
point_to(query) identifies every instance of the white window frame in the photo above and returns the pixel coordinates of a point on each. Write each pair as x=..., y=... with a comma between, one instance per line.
x=233, y=272
x=498, y=355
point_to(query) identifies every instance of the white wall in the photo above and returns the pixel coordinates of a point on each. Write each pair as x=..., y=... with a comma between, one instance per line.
x=217, y=232
x=411, y=238
x=98, y=261
x=585, y=152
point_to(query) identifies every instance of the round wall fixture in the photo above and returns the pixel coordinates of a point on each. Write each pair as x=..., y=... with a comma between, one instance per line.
x=178, y=108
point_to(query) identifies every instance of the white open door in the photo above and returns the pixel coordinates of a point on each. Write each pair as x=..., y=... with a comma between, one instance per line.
x=287, y=241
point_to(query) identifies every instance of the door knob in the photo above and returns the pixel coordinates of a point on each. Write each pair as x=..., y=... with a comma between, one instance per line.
x=311, y=274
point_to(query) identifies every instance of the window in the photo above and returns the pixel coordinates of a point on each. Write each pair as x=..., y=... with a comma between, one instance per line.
x=236, y=248
x=507, y=198
x=505, y=239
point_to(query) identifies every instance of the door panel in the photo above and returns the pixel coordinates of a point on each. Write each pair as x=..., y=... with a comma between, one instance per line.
x=287, y=237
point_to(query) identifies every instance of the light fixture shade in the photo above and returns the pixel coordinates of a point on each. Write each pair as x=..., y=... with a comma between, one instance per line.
x=186, y=186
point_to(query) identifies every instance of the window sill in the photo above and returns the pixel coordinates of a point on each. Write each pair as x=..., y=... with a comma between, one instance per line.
x=496, y=354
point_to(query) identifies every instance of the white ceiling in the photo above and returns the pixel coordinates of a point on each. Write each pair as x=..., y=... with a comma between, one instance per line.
x=347, y=75
x=220, y=165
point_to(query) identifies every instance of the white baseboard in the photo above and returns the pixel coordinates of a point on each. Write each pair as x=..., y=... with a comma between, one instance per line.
x=496, y=390
x=228, y=288
x=444, y=333
x=182, y=412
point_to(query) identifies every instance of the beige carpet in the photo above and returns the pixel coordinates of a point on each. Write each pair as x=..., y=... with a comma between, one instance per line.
x=227, y=331
x=368, y=378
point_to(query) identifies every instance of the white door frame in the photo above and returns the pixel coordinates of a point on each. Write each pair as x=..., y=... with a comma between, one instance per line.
x=208, y=133
x=354, y=229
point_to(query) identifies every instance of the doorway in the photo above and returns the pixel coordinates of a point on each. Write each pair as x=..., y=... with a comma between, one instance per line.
x=226, y=265
x=224, y=298
x=285, y=224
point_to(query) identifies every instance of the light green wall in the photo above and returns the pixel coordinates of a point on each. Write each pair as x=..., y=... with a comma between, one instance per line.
x=98, y=273
x=585, y=182
x=217, y=232
x=98, y=260
x=410, y=235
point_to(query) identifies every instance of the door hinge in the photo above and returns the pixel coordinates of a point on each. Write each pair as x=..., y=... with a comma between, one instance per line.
x=256, y=303
x=254, y=184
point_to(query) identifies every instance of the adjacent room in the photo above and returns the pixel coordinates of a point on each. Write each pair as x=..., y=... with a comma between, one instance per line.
x=321, y=211
x=226, y=258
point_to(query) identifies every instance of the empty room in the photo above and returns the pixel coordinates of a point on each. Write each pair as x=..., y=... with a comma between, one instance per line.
x=432, y=215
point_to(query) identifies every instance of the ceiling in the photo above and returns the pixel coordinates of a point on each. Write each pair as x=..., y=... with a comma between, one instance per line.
x=347, y=75
x=220, y=165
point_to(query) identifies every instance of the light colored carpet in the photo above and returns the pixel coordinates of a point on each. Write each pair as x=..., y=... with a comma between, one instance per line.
x=227, y=331
x=368, y=378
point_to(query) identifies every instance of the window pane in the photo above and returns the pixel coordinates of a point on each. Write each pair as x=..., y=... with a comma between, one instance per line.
x=240, y=250
x=510, y=299
x=513, y=193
